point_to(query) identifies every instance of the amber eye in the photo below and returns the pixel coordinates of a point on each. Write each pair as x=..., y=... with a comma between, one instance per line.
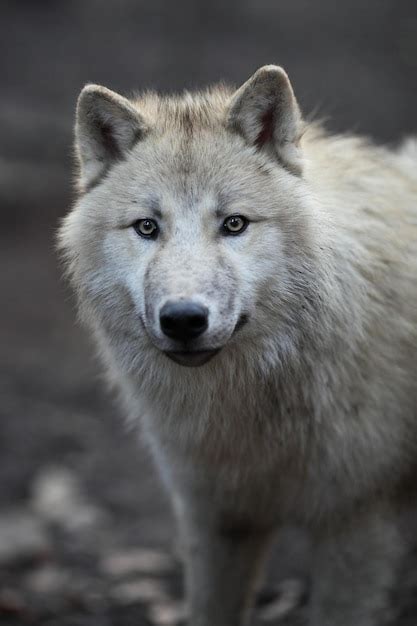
x=146, y=228
x=235, y=224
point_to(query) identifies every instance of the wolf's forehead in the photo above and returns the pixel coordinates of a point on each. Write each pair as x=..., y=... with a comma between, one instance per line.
x=189, y=164
x=202, y=174
x=189, y=200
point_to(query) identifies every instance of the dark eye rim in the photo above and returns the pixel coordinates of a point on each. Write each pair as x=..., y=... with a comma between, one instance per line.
x=136, y=226
x=231, y=233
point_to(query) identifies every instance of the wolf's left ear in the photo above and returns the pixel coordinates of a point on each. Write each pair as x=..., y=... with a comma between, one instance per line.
x=107, y=127
x=265, y=112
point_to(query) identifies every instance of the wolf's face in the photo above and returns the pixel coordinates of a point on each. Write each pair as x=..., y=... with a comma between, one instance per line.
x=183, y=241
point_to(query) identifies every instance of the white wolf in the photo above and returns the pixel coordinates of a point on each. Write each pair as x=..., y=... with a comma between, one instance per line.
x=218, y=230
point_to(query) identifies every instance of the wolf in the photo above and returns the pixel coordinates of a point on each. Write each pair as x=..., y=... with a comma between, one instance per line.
x=251, y=284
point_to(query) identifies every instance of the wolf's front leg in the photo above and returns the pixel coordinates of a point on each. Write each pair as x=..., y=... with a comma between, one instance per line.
x=222, y=567
x=355, y=569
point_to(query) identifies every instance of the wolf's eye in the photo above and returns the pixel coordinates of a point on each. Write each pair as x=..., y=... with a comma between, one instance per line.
x=146, y=228
x=235, y=224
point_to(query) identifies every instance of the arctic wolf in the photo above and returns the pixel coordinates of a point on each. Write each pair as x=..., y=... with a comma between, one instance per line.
x=252, y=286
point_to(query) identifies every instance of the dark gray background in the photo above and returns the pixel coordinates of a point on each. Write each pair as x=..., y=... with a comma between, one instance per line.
x=353, y=62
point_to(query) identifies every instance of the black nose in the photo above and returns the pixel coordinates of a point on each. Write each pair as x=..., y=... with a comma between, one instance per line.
x=183, y=320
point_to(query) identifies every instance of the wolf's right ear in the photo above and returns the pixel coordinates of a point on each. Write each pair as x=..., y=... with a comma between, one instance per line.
x=107, y=126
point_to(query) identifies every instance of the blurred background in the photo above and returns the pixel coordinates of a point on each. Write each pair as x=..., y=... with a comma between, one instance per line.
x=85, y=528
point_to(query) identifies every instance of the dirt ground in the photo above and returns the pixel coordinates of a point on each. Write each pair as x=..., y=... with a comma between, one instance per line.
x=86, y=533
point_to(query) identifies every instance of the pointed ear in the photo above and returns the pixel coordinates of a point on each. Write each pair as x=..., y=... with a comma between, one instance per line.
x=107, y=127
x=265, y=112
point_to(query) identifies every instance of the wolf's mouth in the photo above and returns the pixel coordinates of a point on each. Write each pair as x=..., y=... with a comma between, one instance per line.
x=192, y=358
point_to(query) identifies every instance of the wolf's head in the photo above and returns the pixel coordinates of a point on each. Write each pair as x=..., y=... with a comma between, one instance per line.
x=191, y=234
